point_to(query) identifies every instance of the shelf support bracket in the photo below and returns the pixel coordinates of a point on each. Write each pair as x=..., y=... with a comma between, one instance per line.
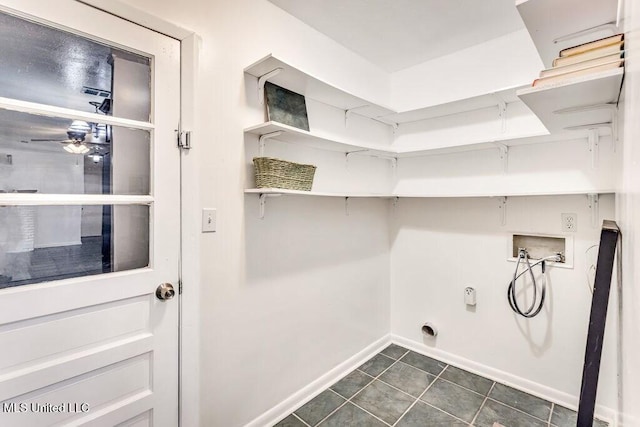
x=395, y=201
x=608, y=25
x=594, y=142
x=394, y=126
x=504, y=155
x=349, y=111
x=503, y=210
x=346, y=206
x=611, y=106
x=594, y=207
x=262, y=80
x=502, y=114
x=263, y=139
x=263, y=203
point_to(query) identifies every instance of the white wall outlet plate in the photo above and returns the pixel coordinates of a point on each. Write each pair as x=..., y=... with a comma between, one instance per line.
x=208, y=220
x=569, y=222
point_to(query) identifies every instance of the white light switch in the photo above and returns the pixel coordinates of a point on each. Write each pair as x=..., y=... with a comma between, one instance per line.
x=208, y=220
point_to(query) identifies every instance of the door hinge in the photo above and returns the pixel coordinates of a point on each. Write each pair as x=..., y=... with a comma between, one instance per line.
x=179, y=287
x=184, y=139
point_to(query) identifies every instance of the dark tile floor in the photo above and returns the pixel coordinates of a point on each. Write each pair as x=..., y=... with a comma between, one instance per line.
x=399, y=387
x=55, y=263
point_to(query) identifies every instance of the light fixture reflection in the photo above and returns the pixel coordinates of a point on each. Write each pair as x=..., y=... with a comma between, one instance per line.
x=76, y=148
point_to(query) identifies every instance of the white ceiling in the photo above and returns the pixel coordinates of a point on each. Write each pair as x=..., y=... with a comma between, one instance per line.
x=397, y=34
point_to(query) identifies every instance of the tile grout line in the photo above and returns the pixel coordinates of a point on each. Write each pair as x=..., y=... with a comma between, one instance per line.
x=300, y=419
x=421, y=394
x=359, y=391
x=359, y=407
x=483, y=403
x=553, y=405
x=445, y=412
x=516, y=409
x=449, y=381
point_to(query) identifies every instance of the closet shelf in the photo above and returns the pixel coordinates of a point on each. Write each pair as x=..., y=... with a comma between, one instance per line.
x=315, y=88
x=312, y=87
x=576, y=103
x=294, y=135
x=284, y=192
x=555, y=25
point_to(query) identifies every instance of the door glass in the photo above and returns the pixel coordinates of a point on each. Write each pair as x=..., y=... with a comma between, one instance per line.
x=49, y=155
x=43, y=243
x=49, y=66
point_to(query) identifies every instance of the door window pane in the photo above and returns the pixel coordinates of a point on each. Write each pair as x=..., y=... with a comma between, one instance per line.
x=50, y=155
x=49, y=66
x=44, y=243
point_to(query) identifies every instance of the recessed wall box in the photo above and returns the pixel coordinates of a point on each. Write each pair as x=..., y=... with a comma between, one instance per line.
x=540, y=246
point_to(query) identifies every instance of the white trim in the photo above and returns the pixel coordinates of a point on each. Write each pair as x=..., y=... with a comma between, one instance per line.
x=536, y=389
x=35, y=199
x=140, y=17
x=190, y=48
x=67, y=113
x=308, y=392
x=190, y=321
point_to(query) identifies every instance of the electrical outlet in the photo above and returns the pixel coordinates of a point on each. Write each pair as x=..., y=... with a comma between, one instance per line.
x=569, y=222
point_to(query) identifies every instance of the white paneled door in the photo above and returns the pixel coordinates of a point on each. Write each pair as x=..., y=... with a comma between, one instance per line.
x=89, y=218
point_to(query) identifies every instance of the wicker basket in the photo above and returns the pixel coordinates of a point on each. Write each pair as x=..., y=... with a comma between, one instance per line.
x=276, y=173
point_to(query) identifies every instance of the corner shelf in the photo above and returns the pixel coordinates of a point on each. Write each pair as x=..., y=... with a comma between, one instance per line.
x=315, y=88
x=290, y=134
x=299, y=81
x=549, y=22
x=577, y=102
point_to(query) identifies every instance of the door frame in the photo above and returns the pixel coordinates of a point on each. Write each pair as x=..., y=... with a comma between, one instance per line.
x=189, y=266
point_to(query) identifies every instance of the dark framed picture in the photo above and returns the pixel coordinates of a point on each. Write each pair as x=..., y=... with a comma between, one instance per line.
x=285, y=106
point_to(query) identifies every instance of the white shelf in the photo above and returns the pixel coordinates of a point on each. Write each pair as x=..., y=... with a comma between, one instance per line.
x=283, y=192
x=294, y=135
x=548, y=101
x=312, y=87
x=548, y=20
x=507, y=95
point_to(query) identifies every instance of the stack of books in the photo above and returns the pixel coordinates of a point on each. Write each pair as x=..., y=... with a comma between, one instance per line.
x=588, y=58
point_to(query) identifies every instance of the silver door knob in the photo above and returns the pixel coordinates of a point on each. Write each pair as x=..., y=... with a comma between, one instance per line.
x=165, y=291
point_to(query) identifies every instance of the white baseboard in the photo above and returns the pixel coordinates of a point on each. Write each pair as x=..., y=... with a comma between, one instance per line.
x=305, y=394
x=536, y=389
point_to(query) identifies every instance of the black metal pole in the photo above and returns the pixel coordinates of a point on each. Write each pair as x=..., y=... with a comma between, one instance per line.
x=597, y=321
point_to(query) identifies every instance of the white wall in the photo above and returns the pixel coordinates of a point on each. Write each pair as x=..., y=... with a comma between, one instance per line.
x=92, y=215
x=48, y=171
x=440, y=246
x=501, y=63
x=532, y=169
x=629, y=222
x=470, y=127
x=285, y=299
